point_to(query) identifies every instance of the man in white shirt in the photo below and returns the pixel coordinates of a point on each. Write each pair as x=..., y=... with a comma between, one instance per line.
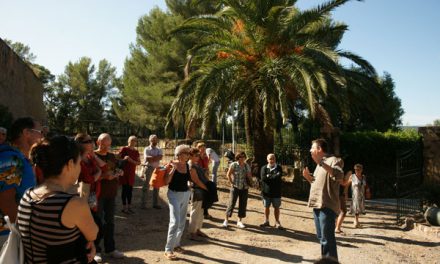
x=214, y=158
x=152, y=157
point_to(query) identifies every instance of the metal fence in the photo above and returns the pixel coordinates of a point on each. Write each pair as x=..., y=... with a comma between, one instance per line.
x=409, y=177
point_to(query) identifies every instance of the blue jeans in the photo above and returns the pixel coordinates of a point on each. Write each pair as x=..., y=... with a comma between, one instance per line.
x=178, y=202
x=325, y=230
x=214, y=171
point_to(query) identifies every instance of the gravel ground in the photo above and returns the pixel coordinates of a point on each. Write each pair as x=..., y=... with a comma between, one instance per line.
x=142, y=236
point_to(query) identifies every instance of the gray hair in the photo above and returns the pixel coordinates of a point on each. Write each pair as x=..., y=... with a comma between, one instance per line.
x=181, y=148
x=151, y=137
x=3, y=130
x=102, y=136
x=131, y=138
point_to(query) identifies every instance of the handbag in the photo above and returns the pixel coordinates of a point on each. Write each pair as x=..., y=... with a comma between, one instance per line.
x=12, y=251
x=367, y=192
x=157, y=179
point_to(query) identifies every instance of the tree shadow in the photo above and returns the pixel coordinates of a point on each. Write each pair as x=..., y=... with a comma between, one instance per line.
x=260, y=251
x=125, y=260
x=402, y=240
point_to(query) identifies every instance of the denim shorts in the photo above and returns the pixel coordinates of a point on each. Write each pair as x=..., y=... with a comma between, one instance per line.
x=276, y=202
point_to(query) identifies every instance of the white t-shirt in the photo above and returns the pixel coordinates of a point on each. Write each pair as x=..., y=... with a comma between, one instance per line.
x=212, y=155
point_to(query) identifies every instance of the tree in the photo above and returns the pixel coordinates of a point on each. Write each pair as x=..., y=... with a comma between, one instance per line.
x=80, y=96
x=154, y=70
x=22, y=50
x=370, y=107
x=264, y=57
x=436, y=122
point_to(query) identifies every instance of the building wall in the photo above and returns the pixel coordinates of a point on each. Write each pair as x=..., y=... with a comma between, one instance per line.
x=20, y=89
x=431, y=154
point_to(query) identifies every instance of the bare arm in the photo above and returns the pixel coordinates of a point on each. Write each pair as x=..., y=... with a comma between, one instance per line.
x=77, y=213
x=307, y=175
x=97, y=174
x=169, y=176
x=229, y=174
x=8, y=205
x=196, y=179
x=347, y=179
x=99, y=161
x=135, y=162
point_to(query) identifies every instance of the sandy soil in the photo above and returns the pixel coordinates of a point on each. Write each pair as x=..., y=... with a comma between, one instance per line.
x=142, y=236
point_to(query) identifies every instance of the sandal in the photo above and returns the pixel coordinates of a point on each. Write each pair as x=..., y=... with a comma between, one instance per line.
x=170, y=256
x=179, y=249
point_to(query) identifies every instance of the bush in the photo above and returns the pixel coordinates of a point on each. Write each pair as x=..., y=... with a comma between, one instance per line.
x=377, y=152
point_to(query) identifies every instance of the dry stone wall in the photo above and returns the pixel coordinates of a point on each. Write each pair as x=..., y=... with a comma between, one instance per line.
x=20, y=89
x=431, y=154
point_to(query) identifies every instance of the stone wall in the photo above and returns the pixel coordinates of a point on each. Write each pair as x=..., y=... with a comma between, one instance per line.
x=431, y=154
x=20, y=89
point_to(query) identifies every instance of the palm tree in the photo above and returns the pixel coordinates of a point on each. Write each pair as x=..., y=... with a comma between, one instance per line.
x=264, y=56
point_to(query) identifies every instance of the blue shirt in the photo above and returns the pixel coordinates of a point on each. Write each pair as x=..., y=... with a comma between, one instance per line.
x=15, y=172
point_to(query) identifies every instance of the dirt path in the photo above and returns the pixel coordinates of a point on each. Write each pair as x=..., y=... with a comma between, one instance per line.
x=142, y=236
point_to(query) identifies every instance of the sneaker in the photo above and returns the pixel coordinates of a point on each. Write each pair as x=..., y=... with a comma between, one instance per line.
x=265, y=224
x=225, y=223
x=98, y=258
x=240, y=225
x=116, y=254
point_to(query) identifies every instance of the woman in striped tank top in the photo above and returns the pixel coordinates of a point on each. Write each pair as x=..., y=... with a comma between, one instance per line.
x=56, y=225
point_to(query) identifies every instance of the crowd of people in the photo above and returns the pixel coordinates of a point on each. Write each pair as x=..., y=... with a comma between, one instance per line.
x=61, y=192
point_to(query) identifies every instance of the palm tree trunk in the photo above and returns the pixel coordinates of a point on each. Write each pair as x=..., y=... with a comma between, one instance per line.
x=248, y=126
x=263, y=140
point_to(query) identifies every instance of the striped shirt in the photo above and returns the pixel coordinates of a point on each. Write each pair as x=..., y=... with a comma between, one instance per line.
x=45, y=239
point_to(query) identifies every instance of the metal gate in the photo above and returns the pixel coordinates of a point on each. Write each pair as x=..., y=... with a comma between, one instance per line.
x=409, y=177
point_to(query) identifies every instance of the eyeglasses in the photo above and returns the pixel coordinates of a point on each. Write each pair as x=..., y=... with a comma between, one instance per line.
x=88, y=141
x=36, y=130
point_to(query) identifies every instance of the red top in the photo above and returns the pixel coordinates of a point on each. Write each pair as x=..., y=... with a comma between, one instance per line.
x=88, y=169
x=129, y=168
x=204, y=162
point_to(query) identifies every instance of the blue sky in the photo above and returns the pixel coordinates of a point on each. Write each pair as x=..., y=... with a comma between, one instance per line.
x=401, y=37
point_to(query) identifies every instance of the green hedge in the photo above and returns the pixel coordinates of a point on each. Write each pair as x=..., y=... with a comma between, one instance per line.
x=377, y=152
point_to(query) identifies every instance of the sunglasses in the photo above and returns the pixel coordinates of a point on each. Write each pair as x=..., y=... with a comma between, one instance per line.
x=36, y=130
x=87, y=141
